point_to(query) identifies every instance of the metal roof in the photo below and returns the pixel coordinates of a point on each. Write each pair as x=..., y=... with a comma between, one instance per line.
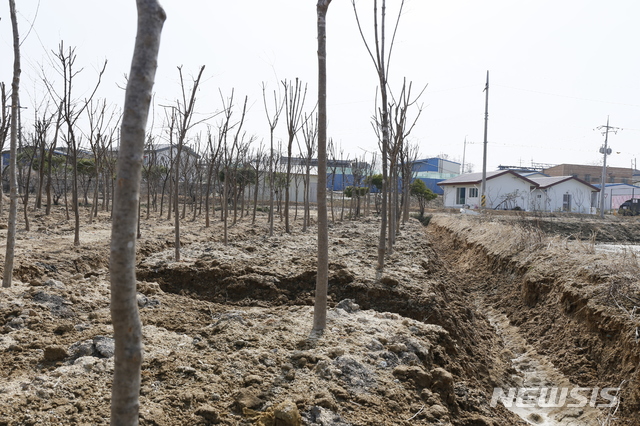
x=476, y=178
x=538, y=181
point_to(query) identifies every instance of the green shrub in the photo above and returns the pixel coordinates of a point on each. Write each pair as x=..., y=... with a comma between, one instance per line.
x=424, y=220
x=350, y=191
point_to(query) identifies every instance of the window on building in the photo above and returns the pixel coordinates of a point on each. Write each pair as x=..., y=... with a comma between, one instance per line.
x=473, y=192
x=625, y=180
x=587, y=178
x=612, y=178
x=566, y=202
x=460, y=195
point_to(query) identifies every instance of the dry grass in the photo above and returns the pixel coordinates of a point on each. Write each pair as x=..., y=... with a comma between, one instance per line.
x=612, y=277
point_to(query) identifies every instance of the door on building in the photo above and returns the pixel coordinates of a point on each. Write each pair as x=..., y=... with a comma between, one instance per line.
x=461, y=195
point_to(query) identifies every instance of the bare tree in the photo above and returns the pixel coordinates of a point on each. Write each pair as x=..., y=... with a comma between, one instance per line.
x=370, y=170
x=167, y=165
x=273, y=122
x=27, y=156
x=359, y=172
x=4, y=131
x=184, y=109
x=344, y=180
x=322, y=277
x=150, y=172
x=99, y=126
x=50, y=160
x=41, y=129
x=110, y=160
x=381, y=59
x=294, y=99
x=400, y=131
x=230, y=155
x=71, y=112
x=310, y=136
x=259, y=158
x=213, y=152
x=13, y=189
x=127, y=328
x=333, y=165
x=407, y=159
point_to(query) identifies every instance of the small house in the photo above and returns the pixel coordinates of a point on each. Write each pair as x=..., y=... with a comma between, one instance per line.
x=509, y=190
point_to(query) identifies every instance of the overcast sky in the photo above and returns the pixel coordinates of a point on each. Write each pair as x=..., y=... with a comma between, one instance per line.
x=558, y=68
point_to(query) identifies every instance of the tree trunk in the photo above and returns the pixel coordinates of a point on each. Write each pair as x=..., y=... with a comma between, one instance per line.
x=127, y=328
x=287, y=229
x=25, y=200
x=149, y=193
x=74, y=192
x=65, y=187
x=176, y=203
x=42, y=148
x=13, y=191
x=207, y=220
x=225, y=207
x=255, y=194
x=271, y=190
x=305, y=201
x=322, y=277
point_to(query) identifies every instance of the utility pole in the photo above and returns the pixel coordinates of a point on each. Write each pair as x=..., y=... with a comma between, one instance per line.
x=605, y=150
x=464, y=151
x=483, y=201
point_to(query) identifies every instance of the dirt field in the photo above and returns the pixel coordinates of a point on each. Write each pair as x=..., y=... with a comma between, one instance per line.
x=227, y=328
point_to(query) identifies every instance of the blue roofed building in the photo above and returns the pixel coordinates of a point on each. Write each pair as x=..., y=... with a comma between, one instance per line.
x=434, y=170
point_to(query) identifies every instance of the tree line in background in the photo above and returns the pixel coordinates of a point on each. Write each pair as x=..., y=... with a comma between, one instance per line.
x=209, y=175
x=63, y=160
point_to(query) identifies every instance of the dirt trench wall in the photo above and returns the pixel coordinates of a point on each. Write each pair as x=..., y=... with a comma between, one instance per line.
x=566, y=298
x=436, y=302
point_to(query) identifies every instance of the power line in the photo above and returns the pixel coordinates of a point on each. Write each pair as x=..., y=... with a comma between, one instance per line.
x=568, y=97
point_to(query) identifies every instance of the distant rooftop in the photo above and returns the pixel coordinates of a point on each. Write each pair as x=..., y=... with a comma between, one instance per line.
x=534, y=167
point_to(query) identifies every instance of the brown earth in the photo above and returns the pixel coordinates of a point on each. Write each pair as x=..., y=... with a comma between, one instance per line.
x=574, y=302
x=227, y=339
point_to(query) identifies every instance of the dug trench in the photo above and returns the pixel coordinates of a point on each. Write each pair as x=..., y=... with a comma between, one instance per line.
x=573, y=304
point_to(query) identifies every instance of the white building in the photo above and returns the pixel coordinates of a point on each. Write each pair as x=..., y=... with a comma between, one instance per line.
x=164, y=155
x=508, y=190
x=562, y=193
x=296, y=187
x=617, y=193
